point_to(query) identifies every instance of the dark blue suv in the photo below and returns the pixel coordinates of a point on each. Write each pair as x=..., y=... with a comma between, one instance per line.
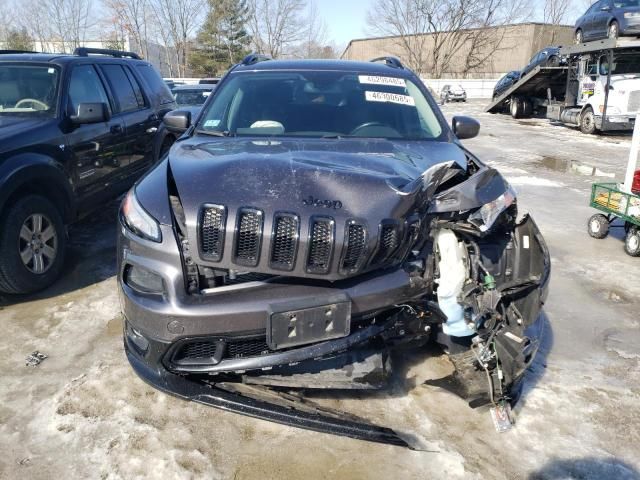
x=609, y=18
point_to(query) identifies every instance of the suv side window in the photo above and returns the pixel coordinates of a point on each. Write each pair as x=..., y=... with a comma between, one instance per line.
x=137, y=90
x=155, y=83
x=121, y=87
x=85, y=86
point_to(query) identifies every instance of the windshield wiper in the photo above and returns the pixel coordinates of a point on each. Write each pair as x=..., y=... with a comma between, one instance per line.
x=217, y=133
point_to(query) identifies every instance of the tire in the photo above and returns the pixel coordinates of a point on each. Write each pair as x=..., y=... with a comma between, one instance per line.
x=553, y=61
x=588, y=121
x=598, y=226
x=632, y=242
x=614, y=30
x=579, y=37
x=527, y=108
x=31, y=250
x=515, y=107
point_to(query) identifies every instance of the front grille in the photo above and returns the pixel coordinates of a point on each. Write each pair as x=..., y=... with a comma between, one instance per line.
x=356, y=239
x=320, y=244
x=634, y=102
x=212, y=220
x=285, y=241
x=198, y=352
x=388, y=243
x=246, y=348
x=248, y=237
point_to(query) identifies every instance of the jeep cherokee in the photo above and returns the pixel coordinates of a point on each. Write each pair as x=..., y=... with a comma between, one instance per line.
x=313, y=216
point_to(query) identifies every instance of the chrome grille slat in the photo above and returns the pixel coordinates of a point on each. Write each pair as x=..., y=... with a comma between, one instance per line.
x=284, y=242
x=321, y=240
x=213, y=219
x=248, y=238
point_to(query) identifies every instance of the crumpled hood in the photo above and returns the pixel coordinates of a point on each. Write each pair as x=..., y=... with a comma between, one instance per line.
x=370, y=181
x=281, y=172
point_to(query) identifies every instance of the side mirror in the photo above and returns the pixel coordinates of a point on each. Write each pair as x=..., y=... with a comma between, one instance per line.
x=177, y=121
x=465, y=127
x=91, y=113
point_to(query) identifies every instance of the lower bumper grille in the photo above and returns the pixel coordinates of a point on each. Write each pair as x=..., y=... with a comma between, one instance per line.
x=202, y=352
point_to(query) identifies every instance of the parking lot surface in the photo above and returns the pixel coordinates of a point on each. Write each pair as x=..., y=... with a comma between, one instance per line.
x=83, y=413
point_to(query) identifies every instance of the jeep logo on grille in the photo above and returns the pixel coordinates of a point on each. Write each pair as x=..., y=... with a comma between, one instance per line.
x=316, y=202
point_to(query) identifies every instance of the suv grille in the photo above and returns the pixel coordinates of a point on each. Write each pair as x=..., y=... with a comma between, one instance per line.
x=202, y=351
x=285, y=241
x=213, y=219
x=634, y=102
x=320, y=245
x=389, y=242
x=356, y=238
x=248, y=237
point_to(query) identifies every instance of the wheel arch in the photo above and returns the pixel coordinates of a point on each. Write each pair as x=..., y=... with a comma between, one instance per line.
x=37, y=174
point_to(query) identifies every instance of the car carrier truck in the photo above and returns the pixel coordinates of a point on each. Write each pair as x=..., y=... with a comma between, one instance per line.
x=598, y=88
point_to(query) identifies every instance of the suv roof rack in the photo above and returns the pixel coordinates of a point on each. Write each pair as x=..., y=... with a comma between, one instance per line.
x=390, y=61
x=85, y=52
x=9, y=52
x=254, y=58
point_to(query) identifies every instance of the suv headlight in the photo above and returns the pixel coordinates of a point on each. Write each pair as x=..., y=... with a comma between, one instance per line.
x=631, y=14
x=136, y=219
x=486, y=215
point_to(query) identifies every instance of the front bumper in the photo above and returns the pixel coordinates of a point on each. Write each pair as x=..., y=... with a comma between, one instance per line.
x=616, y=122
x=151, y=341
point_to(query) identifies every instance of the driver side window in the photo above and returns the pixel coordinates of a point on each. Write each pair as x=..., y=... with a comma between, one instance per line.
x=85, y=87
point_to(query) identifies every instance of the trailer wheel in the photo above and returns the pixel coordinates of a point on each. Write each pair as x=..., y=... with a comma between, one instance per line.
x=632, y=242
x=527, y=107
x=588, y=121
x=598, y=226
x=515, y=106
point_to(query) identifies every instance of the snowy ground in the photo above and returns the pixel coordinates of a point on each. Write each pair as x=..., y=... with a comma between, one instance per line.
x=83, y=413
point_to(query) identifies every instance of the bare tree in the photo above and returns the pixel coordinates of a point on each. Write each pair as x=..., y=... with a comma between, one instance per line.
x=555, y=11
x=180, y=19
x=316, y=42
x=130, y=18
x=276, y=26
x=430, y=34
x=59, y=25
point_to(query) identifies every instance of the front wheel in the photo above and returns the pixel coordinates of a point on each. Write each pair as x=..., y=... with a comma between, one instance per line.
x=614, y=30
x=32, y=245
x=588, y=121
x=598, y=226
x=632, y=242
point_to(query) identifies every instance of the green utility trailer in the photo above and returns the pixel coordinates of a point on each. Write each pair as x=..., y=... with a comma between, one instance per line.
x=616, y=204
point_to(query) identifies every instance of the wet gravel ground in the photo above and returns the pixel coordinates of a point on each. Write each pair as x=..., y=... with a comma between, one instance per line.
x=82, y=413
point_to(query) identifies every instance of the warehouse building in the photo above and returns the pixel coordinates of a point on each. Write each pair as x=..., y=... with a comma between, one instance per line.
x=474, y=53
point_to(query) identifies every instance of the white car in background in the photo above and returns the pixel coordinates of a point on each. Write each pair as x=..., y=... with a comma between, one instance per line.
x=453, y=93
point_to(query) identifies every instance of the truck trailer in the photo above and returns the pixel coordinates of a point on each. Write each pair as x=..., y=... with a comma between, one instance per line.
x=598, y=88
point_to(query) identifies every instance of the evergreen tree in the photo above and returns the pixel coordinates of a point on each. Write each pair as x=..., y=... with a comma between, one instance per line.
x=223, y=39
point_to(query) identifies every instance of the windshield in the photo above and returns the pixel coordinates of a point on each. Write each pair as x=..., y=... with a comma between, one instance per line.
x=28, y=89
x=622, y=64
x=191, y=97
x=320, y=104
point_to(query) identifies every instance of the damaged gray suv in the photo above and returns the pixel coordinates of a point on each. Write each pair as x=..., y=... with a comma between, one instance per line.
x=315, y=216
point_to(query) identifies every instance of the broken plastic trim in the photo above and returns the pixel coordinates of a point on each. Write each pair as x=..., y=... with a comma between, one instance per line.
x=285, y=410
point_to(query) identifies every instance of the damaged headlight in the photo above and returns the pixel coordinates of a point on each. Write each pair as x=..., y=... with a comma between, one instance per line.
x=486, y=215
x=136, y=219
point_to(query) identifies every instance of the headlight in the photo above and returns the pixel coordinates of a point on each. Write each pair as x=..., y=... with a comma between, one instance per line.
x=486, y=216
x=136, y=219
x=631, y=14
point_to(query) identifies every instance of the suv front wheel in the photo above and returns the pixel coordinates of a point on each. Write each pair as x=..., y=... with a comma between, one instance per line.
x=32, y=245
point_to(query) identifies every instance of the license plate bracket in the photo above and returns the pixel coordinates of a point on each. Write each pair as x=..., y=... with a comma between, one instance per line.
x=308, y=321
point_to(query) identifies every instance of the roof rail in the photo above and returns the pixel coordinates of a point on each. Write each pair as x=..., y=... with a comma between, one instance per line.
x=254, y=58
x=390, y=61
x=85, y=52
x=9, y=52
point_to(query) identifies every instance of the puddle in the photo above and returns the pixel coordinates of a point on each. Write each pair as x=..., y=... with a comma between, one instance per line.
x=565, y=165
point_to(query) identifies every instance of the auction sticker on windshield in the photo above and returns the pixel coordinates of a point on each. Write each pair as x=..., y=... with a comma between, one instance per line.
x=390, y=98
x=376, y=80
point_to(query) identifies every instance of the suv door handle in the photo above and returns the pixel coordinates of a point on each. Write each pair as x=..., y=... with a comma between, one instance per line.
x=116, y=129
